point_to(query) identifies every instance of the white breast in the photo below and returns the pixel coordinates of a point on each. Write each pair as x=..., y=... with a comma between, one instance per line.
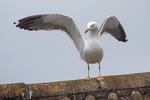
x=93, y=52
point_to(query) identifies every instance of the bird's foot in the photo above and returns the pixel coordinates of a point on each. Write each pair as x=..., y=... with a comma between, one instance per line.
x=99, y=78
x=88, y=78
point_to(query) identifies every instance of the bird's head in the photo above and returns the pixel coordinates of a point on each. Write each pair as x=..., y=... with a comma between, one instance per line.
x=91, y=26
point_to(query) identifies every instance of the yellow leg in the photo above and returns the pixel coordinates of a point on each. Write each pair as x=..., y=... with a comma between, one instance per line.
x=100, y=77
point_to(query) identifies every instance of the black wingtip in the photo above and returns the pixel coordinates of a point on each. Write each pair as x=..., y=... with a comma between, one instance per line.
x=125, y=40
x=18, y=25
x=14, y=23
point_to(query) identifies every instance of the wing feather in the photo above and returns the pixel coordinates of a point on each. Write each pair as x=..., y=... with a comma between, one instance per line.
x=53, y=22
x=112, y=26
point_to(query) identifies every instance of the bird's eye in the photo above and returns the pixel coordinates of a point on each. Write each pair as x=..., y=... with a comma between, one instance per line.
x=92, y=25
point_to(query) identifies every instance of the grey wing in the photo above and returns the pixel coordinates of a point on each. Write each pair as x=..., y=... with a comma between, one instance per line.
x=53, y=22
x=112, y=26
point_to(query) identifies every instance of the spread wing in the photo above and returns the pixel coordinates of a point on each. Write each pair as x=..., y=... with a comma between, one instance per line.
x=53, y=22
x=112, y=26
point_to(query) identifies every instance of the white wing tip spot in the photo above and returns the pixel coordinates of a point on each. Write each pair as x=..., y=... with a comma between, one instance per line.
x=126, y=39
x=16, y=22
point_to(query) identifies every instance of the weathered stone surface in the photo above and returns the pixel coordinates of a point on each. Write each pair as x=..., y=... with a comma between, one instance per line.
x=64, y=98
x=90, y=97
x=124, y=98
x=135, y=95
x=125, y=86
x=12, y=90
x=112, y=96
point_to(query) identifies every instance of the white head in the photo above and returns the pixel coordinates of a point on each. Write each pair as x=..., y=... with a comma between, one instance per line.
x=91, y=26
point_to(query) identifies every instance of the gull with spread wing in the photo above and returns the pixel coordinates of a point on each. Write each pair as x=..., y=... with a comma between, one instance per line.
x=90, y=50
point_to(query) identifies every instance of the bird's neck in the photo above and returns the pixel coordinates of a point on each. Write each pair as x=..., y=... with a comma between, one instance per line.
x=93, y=34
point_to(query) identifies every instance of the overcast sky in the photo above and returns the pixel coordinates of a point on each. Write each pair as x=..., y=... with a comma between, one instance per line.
x=46, y=56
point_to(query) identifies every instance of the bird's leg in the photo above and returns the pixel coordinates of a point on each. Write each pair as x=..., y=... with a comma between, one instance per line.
x=100, y=77
x=88, y=73
x=99, y=69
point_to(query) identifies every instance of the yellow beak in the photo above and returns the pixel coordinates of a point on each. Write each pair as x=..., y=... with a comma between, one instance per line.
x=86, y=30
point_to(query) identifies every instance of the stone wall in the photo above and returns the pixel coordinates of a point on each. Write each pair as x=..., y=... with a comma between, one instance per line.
x=119, y=87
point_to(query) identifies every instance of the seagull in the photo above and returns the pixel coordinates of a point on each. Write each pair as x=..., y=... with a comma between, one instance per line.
x=90, y=49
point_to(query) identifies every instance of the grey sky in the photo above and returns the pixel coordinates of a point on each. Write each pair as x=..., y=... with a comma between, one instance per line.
x=44, y=56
